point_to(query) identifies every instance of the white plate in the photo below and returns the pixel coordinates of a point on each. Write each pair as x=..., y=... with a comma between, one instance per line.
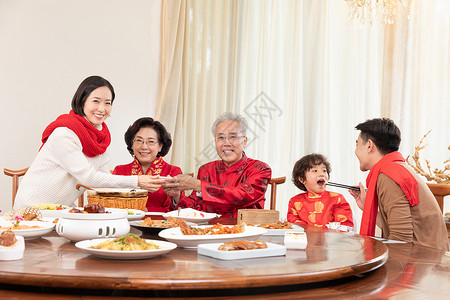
x=114, y=213
x=191, y=241
x=33, y=233
x=135, y=214
x=165, y=247
x=48, y=213
x=212, y=251
x=295, y=228
x=154, y=213
x=191, y=215
x=49, y=209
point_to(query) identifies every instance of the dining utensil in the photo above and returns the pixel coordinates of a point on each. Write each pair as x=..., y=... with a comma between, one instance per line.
x=339, y=185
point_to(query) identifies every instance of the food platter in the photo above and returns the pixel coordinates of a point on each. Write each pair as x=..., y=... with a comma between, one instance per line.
x=212, y=251
x=114, y=213
x=174, y=235
x=191, y=215
x=51, y=210
x=135, y=214
x=32, y=233
x=165, y=247
x=295, y=228
x=151, y=230
x=146, y=229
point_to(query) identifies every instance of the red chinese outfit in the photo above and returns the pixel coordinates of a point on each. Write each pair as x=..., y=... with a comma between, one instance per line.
x=319, y=209
x=227, y=189
x=157, y=201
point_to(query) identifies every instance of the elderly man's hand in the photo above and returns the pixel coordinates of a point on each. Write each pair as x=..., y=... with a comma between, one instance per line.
x=182, y=182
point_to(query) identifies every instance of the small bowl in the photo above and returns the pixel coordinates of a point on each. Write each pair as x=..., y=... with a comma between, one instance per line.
x=13, y=252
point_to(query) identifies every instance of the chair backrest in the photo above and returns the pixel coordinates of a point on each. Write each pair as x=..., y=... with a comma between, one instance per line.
x=273, y=192
x=439, y=191
x=15, y=174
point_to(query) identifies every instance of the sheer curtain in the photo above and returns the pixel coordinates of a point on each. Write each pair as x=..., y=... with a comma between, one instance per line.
x=301, y=72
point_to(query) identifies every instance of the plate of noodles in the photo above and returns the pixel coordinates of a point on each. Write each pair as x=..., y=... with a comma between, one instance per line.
x=129, y=246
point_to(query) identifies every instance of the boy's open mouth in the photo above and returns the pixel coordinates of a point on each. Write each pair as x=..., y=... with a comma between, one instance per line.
x=321, y=182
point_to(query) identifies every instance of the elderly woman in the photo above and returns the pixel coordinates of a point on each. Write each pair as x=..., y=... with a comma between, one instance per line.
x=74, y=151
x=229, y=184
x=148, y=141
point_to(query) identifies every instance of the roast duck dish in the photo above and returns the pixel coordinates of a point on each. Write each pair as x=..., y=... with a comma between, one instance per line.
x=91, y=208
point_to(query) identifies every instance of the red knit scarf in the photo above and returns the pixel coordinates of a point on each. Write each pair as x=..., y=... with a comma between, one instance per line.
x=389, y=166
x=94, y=141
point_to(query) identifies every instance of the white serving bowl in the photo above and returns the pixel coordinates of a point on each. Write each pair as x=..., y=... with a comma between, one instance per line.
x=78, y=226
x=13, y=252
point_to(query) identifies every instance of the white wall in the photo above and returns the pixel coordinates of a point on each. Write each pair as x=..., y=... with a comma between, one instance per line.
x=48, y=47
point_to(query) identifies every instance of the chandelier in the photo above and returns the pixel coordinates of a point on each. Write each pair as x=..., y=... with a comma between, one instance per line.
x=367, y=10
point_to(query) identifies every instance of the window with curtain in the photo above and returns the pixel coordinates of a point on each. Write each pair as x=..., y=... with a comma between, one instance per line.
x=304, y=76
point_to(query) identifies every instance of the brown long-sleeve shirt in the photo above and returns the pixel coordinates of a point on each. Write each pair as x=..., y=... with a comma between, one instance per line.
x=421, y=224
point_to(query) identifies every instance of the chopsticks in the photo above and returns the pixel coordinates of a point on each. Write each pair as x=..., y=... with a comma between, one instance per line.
x=339, y=185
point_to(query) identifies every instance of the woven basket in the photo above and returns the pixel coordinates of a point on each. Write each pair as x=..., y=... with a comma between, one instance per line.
x=119, y=202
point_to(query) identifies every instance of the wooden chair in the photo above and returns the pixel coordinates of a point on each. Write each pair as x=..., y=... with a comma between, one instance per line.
x=440, y=191
x=15, y=174
x=274, y=182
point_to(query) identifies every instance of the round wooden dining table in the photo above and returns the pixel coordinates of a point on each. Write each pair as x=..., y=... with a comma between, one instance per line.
x=334, y=264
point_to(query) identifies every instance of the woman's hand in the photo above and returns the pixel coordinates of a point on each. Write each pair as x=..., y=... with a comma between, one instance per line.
x=150, y=183
x=360, y=196
x=182, y=182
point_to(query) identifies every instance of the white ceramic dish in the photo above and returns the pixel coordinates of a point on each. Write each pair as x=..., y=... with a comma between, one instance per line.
x=13, y=252
x=174, y=235
x=154, y=213
x=114, y=213
x=165, y=247
x=135, y=214
x=33, y=233
x=191, y=215
x=79, y=230
x=281, y=232
x=53, y=213
x=212, y=251
x=49, y=210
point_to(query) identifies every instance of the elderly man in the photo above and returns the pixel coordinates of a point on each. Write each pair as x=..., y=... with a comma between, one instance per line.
x=406, y=208
x=229, y=184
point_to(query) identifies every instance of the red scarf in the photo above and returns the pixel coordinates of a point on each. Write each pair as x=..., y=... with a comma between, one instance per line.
x=396, y=172
x=94, y=141
x=154, y=169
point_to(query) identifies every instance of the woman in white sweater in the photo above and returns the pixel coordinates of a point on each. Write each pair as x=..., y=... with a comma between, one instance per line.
x=74, y=151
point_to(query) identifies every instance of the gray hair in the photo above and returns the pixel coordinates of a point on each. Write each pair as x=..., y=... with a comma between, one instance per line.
x=228, y=116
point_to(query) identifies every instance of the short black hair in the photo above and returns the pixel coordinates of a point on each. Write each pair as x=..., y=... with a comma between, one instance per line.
x=306, y=163
x=383, y=132
x=163, y=136
x=85, y=89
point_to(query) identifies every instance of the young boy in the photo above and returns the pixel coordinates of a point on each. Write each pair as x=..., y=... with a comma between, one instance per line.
x=317, y=207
